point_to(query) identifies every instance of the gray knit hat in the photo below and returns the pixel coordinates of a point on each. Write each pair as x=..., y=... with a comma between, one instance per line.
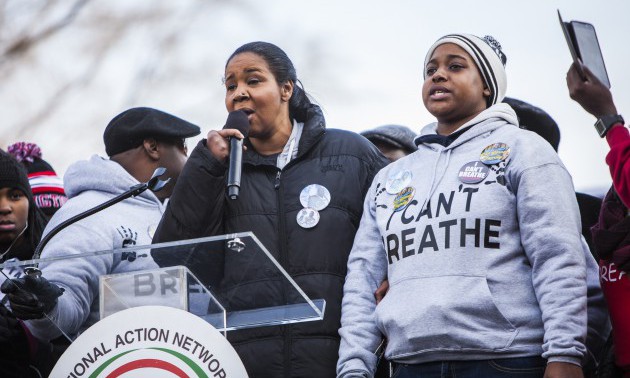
x=487, y=55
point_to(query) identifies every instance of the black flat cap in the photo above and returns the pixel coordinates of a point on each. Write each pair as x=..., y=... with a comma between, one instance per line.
x=535, y=119
x=129, y=129
x=395, y=135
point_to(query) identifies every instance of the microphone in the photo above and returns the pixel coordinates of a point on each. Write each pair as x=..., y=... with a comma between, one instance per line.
x=236, y=120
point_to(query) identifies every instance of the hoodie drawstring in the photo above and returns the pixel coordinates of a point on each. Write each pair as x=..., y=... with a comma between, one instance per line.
x=434, y=183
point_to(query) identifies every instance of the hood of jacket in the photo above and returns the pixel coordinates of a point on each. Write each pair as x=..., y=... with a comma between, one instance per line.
x=482, y=124
x=101, y=175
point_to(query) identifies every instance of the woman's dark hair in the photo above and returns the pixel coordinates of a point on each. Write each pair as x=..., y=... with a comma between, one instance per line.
x=37, y=221
x=282, y=69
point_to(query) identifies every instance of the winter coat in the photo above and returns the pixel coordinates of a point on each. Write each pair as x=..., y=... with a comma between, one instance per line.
x=611, y=236
x=269, y=202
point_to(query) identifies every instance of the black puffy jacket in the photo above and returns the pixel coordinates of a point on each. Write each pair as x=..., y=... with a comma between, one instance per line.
x=269, y=201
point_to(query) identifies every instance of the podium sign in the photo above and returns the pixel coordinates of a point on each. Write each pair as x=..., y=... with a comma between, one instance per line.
x=158, y=287
x=150, y=341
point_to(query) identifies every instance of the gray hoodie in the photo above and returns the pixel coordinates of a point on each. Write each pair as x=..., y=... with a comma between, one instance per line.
x=87, y=184
x=493, y=269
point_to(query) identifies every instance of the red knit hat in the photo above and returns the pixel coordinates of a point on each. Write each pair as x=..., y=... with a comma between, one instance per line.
x=47, y=187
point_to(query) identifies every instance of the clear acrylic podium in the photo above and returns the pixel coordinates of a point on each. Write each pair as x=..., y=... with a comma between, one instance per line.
x=230, y=281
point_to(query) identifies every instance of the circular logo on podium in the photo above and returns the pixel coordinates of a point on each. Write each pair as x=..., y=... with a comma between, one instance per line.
x=150, y=341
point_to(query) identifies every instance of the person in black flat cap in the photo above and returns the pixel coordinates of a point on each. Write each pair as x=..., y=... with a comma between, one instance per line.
x=142, y=139
x=137, y=141
x=394, y=141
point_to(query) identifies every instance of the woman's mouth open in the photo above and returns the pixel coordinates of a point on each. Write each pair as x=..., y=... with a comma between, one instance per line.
x=438, y=93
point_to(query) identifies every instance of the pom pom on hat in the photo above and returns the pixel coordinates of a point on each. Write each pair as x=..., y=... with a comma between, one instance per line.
x=46, y=186
x=25, y=151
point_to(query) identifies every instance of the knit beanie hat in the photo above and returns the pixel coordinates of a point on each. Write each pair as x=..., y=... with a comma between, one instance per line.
x=13, y=175
x=487, y=55
x=47, y=187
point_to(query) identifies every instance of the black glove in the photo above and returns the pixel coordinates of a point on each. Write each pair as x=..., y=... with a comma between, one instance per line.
x=31, y=296
x=10, y=327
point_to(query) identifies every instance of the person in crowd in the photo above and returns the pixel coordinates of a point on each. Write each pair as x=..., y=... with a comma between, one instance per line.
x=394, y=141
x=611, y=234
x=47, y=187
x=137, y=141
x=537, y=120
x=21, y=227
x=289, y=154
x=597, y=100
x=478, y=233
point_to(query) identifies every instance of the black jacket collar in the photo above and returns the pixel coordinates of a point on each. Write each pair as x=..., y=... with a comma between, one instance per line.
x=314, y=129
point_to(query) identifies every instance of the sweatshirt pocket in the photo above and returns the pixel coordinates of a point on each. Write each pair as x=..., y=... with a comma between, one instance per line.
x=450, y=313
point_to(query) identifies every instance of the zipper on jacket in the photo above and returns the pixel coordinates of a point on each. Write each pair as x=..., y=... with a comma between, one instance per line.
x=284, y=255
x=276, y=185
x=282, y=237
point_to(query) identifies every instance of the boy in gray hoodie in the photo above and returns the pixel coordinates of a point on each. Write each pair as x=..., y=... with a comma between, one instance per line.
x=478, y=233
x=137, y=141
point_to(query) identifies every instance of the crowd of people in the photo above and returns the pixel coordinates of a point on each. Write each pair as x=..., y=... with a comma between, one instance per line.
x=460, y=250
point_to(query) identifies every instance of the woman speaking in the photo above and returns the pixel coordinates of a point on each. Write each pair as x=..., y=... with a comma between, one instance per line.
x=288, y=154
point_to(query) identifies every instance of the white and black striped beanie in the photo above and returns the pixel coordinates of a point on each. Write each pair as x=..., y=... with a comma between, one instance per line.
x=487, y=55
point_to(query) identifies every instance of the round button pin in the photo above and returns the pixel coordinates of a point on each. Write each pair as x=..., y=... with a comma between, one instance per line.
x=494, y=153
x=397, y=181
x=315, y=196
x=307, y=217
x=403, y=198
x=473, y=172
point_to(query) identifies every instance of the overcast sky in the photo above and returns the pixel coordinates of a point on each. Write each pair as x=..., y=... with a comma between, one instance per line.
x=361, y=61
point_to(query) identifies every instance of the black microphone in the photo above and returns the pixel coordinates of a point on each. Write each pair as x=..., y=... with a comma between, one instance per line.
x=236, y=120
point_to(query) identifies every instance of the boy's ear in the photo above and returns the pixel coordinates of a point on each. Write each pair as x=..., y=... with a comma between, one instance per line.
x=486, y=92
x=150, y=146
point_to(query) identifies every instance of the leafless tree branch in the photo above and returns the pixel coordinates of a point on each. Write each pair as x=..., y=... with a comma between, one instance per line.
x=26, y=42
